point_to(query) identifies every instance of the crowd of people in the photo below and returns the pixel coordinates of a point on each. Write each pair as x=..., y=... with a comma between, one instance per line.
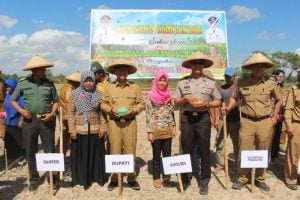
x=99, y=118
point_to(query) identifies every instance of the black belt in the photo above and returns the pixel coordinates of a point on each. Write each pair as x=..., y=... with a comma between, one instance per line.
x=122, y=119
x=195, y=113
x=255, y=119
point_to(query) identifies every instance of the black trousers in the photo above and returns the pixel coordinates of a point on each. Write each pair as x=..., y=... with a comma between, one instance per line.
x=32, y=129
x=160, y=146
x=197, y=130
x=276, y=141
x=13, y=141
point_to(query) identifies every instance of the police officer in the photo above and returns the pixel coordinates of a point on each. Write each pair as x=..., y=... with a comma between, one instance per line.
x=2, y=109
x=122, y=129
x=196, y=94
x=292, y=120
x=256, y=125
x=40, y=106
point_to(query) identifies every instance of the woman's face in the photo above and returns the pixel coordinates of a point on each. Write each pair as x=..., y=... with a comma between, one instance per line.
x=280, y=77
x=88, y=84
x=162, y=83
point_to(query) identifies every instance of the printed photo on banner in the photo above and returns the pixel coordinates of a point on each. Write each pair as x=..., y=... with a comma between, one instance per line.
x=158, y=40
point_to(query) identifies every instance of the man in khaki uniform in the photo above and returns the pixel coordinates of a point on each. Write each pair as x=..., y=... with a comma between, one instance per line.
x=122, y=128
x=256, y=126
x=2, y=109
x=292, y=120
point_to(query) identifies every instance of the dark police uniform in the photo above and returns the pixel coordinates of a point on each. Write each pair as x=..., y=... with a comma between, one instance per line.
x=195, y=122
x=39, y=95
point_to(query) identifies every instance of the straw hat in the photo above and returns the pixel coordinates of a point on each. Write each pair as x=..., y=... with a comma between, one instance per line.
x=122, y=62
x=207, y=62
x=75, y=76
x=37, y=62
x=257, y=58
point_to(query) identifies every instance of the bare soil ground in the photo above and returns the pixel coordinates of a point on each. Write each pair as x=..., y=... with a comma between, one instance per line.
x=13, y=184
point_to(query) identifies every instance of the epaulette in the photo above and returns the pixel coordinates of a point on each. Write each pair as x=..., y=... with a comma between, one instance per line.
x=23, y=79
x=294, y=87
x=210, y=78
x=185, y=77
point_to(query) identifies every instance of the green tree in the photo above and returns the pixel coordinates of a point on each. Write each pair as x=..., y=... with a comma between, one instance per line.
x=288, y=60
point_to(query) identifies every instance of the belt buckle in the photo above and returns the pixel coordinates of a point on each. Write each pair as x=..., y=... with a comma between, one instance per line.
x=122, y=120
x=38, y=116
x=195, y=113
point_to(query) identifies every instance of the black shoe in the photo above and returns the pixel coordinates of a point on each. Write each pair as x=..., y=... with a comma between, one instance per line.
x=237, y=185
x=112, y=185
x=263, y=186
x=56, y=182
x=204, y=190
x=134, y=185
x=33, y=186
x=292, y=186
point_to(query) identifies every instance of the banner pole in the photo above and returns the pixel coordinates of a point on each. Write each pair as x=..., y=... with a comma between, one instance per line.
x=120, y=183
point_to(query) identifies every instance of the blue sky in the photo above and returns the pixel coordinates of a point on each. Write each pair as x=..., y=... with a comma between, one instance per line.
x=59, y=29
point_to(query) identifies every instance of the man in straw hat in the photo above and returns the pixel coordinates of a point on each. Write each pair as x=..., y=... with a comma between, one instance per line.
x=40, y=106
x=73, y=81
x=196, y=94
x=126, y=96
x=256, y=124
x=2, y=109
x=292, y=120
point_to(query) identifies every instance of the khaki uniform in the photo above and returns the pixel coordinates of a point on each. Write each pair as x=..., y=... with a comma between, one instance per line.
x=2, y=109
x=292, y=119
x=64, y=97
x=256, y=127
x=123, y=131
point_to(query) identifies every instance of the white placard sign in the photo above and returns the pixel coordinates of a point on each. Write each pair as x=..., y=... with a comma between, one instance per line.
x=177, y=164
x=50, y=162
x=254, y=159
x=119, y=163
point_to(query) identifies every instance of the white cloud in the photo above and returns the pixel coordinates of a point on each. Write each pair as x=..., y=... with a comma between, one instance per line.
x=7, y=21
x=103, y=7
x=242, y=14
x=43, y=24
x=298, y=51
x=268, y=36
x=263, y=36
x=69, y=51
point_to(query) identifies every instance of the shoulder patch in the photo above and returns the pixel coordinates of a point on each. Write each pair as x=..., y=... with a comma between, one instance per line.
x=294, y=87
x=23, y=79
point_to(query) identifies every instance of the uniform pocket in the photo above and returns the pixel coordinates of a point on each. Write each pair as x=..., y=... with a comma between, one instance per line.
x=206, y=91
x=131, y=100
x=265, y=96
x=247, y=95
x=46, y=91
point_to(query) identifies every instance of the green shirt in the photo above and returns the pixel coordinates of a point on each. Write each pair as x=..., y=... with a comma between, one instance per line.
x=39, y=95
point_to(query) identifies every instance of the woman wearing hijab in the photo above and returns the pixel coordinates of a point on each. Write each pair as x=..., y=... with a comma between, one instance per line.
x=13, y=123
x=86, y=127
x=160, y=124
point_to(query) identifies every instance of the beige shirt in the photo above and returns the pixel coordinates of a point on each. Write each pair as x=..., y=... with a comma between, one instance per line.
x=129, y=96
x=256, y=98
x=292, y=107
x=206, y=90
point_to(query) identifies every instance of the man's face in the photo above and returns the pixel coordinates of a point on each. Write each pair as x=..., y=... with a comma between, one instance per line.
x=197, y=67
x=99, y=76
x=258, y=70
x=121, y=73
x=229, y=79
x=39, y=72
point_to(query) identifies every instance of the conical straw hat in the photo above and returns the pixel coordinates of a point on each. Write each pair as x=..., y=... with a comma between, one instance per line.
x=75, y=76
x=122, y=62
x=257, y=58
x=207, y=62
x=37, y=62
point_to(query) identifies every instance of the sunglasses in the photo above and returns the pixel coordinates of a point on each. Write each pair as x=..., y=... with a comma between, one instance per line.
x=197, y=62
